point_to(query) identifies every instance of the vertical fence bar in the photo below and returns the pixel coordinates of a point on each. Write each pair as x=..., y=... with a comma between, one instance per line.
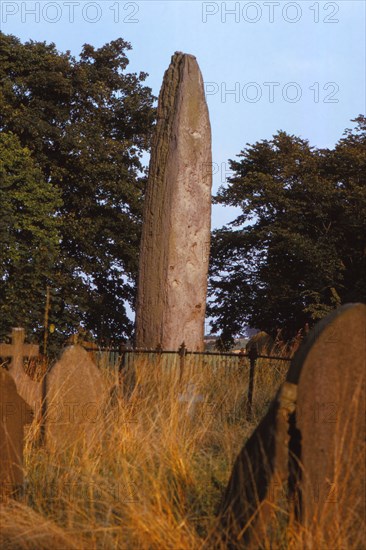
x=43, y=411
x=122, y=364
x=253, y=356
x=225, y=367
x=182, y=354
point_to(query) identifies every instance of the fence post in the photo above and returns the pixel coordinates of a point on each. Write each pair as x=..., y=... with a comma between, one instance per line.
x=253, y=355
x=122, y=363
x=43, y=411
x=182, y=353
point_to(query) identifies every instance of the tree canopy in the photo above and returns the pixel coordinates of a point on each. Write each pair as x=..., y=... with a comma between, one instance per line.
x=298, y=249
x=73, y=132
x=86, y=123
x=29, y=236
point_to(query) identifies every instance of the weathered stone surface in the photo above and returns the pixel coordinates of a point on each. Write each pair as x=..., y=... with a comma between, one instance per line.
x=258, y=486
x=14, y=414
x=262, y=341
x=329, y=370
x=30, y=390
x=75, y=394
x=307, y=456
x=174, y=251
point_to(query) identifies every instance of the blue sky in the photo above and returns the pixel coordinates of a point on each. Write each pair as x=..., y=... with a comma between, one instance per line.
x=294, y=66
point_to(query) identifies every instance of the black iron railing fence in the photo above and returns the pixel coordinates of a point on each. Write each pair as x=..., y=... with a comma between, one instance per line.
x=123, y=359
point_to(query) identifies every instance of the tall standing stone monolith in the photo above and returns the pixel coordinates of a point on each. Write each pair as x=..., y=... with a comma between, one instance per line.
x=174, y=252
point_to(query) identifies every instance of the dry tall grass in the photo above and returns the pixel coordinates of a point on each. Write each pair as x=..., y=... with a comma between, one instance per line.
x=154, y=477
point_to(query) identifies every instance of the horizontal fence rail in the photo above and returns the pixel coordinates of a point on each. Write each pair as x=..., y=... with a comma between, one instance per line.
x=182, y=365
x=120, y=351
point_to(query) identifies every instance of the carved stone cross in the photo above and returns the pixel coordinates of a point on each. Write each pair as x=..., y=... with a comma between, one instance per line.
x=28, y=389
x=17, y=350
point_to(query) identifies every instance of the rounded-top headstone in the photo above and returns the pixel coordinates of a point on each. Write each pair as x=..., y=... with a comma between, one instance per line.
x=75, y=394
x=306, y=459
x=262, y=342
x=329, y=371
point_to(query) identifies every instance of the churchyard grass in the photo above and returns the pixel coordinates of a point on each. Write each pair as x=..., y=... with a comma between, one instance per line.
x=155, y=477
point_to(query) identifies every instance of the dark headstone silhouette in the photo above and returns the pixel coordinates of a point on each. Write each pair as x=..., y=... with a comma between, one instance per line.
x=262, y=342
x=14, y=414
x=258, y=483
x=306, y=459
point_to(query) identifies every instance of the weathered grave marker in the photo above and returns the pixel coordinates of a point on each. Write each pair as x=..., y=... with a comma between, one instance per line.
x=258, y=483
x=262, y=342
x=173, y=269
x=329, y=370
x=75, y=394
x=14, y=414
x=307, y=456
x=30, y=390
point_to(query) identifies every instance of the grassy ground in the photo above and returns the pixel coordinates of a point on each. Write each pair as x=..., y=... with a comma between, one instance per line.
x=153, y=477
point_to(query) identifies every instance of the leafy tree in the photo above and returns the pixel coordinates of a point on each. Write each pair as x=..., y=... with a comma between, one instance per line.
x=87, y=123
x=29, y=237
x=297, y=250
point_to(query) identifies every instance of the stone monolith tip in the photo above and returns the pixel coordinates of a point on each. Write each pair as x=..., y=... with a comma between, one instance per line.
x=174, y=252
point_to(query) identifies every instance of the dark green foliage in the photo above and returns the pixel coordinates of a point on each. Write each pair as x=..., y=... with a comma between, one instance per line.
x=29, y=237
x=87, y=123
x=298, y=248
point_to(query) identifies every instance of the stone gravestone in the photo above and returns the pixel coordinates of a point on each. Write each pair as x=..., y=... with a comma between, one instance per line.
x=307, y=456
x=258, y=484
x=262, y=341
x=329, y=371
x=174, y=252
x=14, y=414
x=30, y=390
x=74, y=399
